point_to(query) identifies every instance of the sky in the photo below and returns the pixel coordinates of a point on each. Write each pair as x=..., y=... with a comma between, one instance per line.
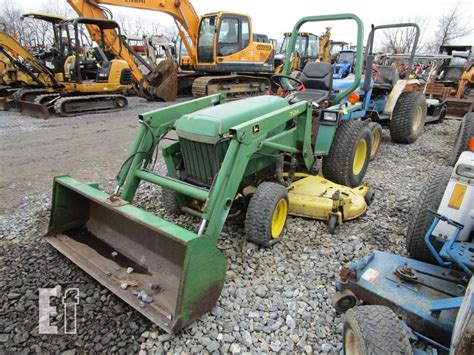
x=273, y=17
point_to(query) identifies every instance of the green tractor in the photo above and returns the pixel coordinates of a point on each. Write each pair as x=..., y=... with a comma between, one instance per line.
x=241, y=155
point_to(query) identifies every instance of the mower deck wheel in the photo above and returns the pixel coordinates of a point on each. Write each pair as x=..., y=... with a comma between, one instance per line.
x=344, y=300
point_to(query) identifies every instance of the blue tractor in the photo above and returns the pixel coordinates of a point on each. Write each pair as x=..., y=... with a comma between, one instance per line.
x=344, y=64
x=392, y=302
x=384, y=99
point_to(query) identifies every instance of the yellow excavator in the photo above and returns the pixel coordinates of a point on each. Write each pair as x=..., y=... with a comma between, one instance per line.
x=79, y=80
x=21, y=72
x=221, y=47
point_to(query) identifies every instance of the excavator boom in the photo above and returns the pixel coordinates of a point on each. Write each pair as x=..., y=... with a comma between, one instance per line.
x=13, y=51
x=162, y=83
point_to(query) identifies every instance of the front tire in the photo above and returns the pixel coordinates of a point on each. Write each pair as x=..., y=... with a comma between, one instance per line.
x=349, y=155
x=430, y=197
x=374, y=330
x=408, y=118
x=267, y=213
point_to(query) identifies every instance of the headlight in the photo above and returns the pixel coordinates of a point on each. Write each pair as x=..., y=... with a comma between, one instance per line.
x=330, y=116
x=465, y=171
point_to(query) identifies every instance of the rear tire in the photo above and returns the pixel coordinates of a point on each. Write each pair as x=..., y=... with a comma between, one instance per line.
x=465, y=132
x=408, y=118
x=430, y=197
x=349, y=155
x=374, y=330
x=267, y=213
x=376, y=130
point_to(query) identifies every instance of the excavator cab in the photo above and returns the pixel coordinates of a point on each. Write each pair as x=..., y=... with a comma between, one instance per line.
x=307, y=48
x=83, y=66
x=225, y=42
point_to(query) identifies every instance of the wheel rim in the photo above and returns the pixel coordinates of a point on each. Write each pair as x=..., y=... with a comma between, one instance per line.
x=351, y=343
x=417, y=119
x=376, y=138
x=359, y=157
x=279, y=218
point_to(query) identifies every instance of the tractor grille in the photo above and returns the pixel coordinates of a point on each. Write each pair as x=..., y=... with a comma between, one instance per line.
x=126, y=77
x=202, y=161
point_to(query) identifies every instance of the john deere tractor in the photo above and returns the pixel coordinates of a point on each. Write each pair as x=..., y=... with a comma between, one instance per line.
x=239, y=156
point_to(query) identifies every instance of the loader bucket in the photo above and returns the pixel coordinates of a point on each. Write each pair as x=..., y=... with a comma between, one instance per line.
x=182, y=272
x=33, y=110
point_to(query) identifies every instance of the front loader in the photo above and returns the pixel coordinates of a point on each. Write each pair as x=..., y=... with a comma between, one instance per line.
x=240, y=156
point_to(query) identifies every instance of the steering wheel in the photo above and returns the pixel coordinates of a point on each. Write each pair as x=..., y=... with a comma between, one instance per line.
x=290, y=86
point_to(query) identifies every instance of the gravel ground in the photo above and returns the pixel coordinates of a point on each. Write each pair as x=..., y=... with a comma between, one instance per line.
x=274, y=300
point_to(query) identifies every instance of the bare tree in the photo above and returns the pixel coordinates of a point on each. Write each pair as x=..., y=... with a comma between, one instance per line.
x=57, y=7
x=401, y=39
x=450, y=26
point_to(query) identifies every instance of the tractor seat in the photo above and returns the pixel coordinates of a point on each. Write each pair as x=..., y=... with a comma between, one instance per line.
x=388, y=77
x=317, y=79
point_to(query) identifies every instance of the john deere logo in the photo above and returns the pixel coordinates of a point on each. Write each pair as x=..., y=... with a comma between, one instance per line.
x=256, y=129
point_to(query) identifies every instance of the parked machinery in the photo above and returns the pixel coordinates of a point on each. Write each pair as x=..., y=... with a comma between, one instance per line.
x=456, y=77
x=228, y=157
x=395, y=102
x=88, y=80
x=337, y=46
x=425, y=70
x=344, y=64
x=307, y=50
x=222, y=49
x=432, y=293
x=24, y=73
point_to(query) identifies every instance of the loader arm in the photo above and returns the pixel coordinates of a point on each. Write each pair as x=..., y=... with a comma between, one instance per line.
x=12, y=50
x=182, y=12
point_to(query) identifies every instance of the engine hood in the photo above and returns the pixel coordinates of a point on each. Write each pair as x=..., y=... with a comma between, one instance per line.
x=208, y=124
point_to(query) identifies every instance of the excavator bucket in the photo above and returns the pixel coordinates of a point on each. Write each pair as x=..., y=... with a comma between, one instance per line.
x=169, y=274
x=34, y=110
x=164, y=80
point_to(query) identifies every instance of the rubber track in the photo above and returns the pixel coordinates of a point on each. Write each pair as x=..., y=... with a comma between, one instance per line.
x=431, y=196
x=260, y=212
x=59, y=103
x=200, y=84
x=465, y=132
x=401, y=124
x=382, y=331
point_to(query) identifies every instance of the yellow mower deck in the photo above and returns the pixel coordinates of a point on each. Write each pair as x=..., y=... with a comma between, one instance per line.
x=318, y=198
